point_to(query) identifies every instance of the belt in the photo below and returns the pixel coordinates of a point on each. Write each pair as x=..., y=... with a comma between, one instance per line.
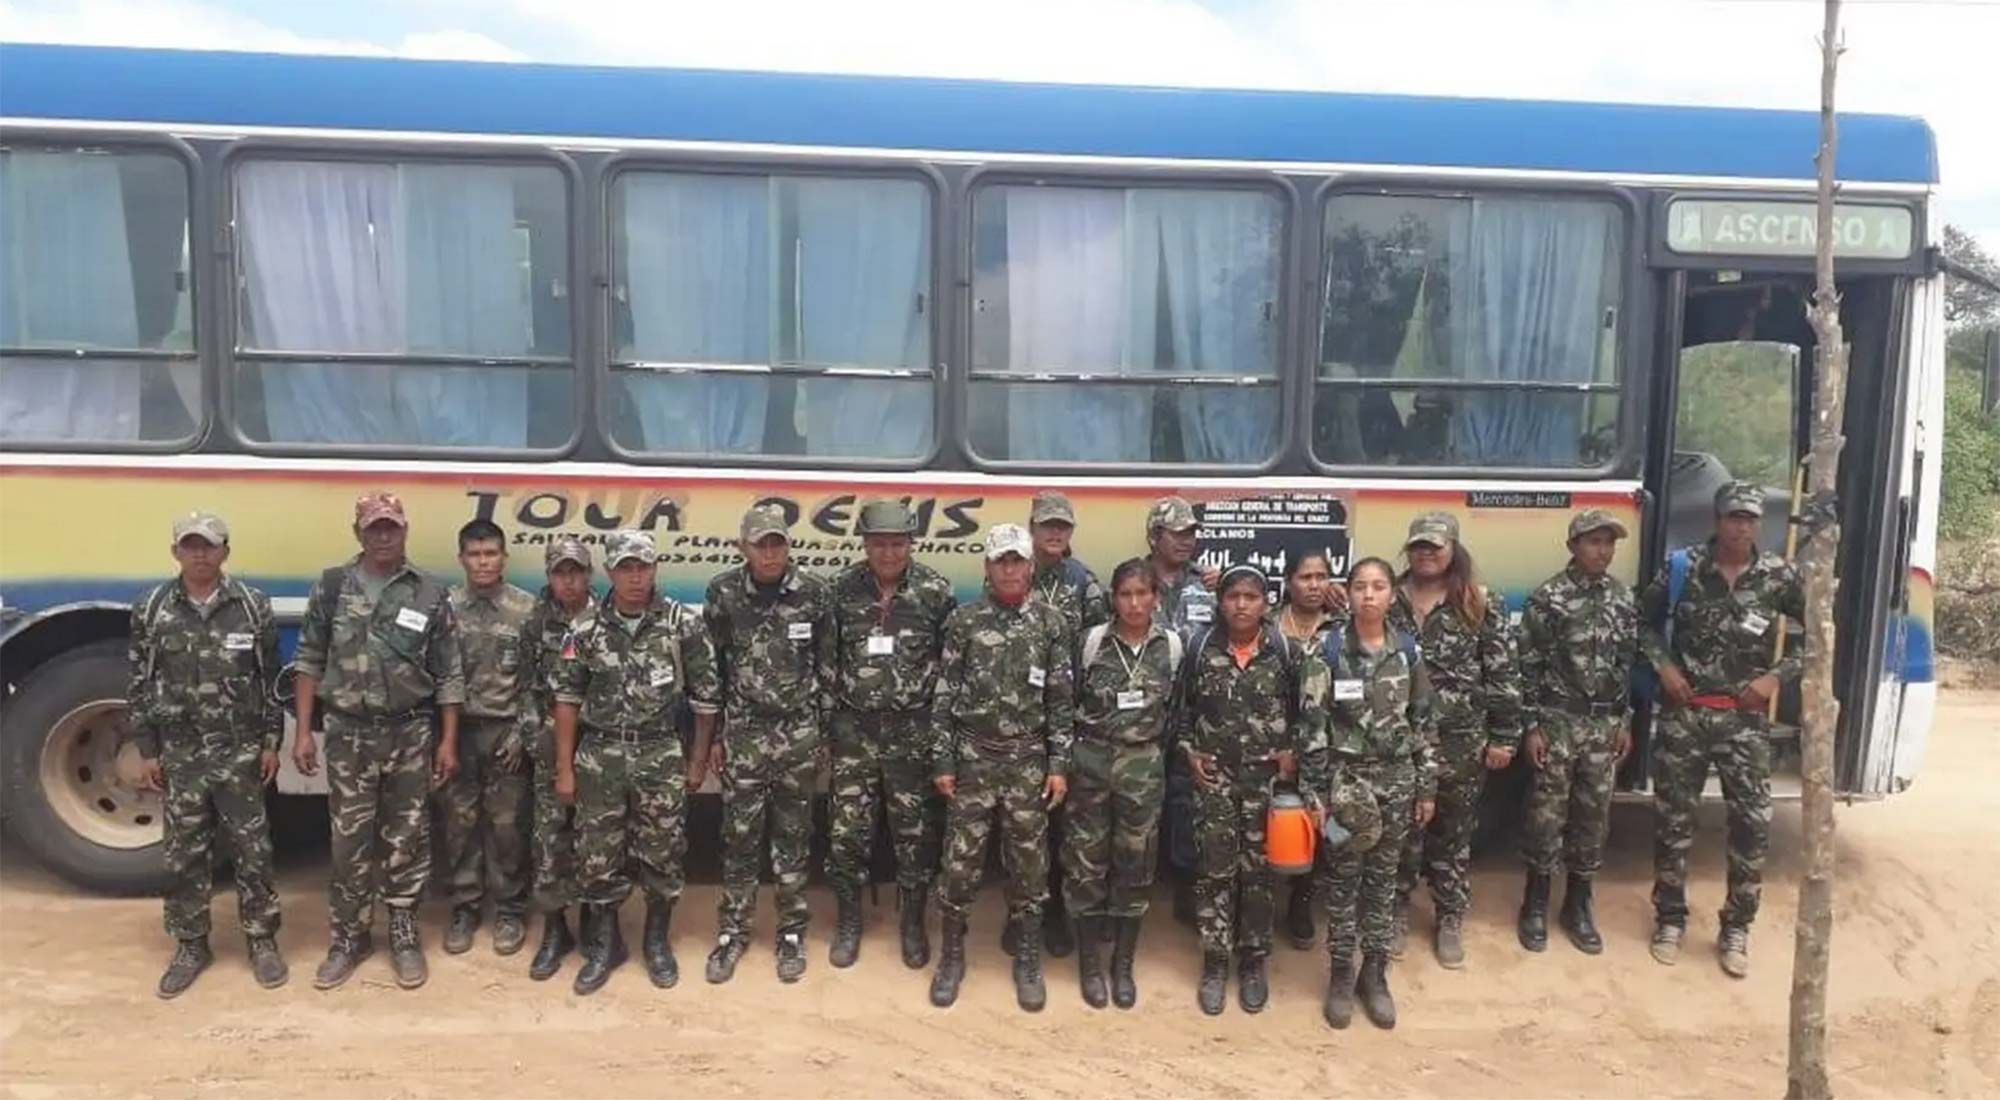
x=1714, y=702
x=383, y=719
x=1584, y=708
x=629, y=736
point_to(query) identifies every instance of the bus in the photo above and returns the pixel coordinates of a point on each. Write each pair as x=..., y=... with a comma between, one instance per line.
x=575, y=300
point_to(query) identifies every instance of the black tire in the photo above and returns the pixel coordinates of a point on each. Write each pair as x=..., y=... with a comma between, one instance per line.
x=95, y=673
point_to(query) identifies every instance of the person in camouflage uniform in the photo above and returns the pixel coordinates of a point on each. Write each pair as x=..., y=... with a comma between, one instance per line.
x=1187, y=607
x=486, y=803
x=623, y=676
x=1461, y=626
x=1117, y=777
x=1314, y=605
x=378, y=657
x=1251, y=717
x=771, y=625
x=888, y=629
x=203, y=653
x=564, y=604
x=1383, y=786
x=1001, y=725
x=1719, y=673
x=1579, y=636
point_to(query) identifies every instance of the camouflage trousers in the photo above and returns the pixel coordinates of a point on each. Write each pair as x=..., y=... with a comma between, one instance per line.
x=1443, y=851
x=768, y=772
x=1177, y=826
x=1111, y=827
x=213, y=781
x=1012, y=791
x=1734, y=743
x=1360, y=885
x=552, y=841
x=631, y=818
x=378, y=776
x=1234, y=884
x=1569, y=807
x=885, y=758
x=485, y=820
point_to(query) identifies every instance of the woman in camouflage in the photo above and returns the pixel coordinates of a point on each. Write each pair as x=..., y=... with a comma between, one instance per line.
x=1313, y=604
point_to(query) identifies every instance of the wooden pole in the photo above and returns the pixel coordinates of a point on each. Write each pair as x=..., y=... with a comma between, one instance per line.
x=1806, y=1076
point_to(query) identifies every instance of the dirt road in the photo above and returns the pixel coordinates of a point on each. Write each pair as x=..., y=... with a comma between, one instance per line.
x=1916, y=997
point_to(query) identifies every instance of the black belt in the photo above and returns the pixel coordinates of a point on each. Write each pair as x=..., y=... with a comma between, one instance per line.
x=631, y=736
x=1584, y=708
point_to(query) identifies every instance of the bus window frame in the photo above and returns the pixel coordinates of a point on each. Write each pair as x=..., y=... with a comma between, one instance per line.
x=606, y=364
x=201, y=275
x=1634, y=320
x=1915, y=265
x=1291, y=202
x=229, y=263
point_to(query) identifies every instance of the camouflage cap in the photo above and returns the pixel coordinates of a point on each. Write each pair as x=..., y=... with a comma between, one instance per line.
x=1051, y=507
x=1739, y=496
x=886, y=517
x=1353, y=818
x=622, y=546
x=1433, y=529
x=1594, y=519
x=565, y=548
x=1008, y=538
x=206, y=526
x=764, y=520
x=1173, y=513
x=371, y=508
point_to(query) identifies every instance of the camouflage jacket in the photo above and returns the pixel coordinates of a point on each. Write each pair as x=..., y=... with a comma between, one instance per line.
x=1381, y=709
x=1005, y=685
x=1725, y=637
x=385, y=656
x=632, y=680
x=1124, y=696
x=209, y=670
x=542, y=639
x=774, y=651
x=1471, y=668
x=1579, y=636
x=1070, y=587
x=493, y=643
x=1242, y=716
x=876, y=675
x=1186, y=605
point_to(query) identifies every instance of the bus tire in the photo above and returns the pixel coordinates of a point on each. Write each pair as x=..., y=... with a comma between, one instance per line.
x=71, y=775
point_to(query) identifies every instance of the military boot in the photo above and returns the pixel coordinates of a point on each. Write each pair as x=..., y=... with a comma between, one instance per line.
x=603, y=948
x=1338, y=1008
x=1450, y=941
x=846, y=946
x=1124, y=991
x=1214, y=987
x=660, y=963
x=1533, y=924
x=729, y=949
x=1057, y=938
x=1373, y=989
x=406, y=949
x=951, y=963
x=343, y=956
x=1299, y=914
x=1577, y=919
x=1089, y=964
x=1028, y=988
x=1253, y=986
x=1666, y=945
x=1399, y=926
x=510, y=933
x=458, y=934
x=791, y=956
x=191, y=957
x=266, y=965
x=556, y=942
x=916, y=939
x=1733, y=950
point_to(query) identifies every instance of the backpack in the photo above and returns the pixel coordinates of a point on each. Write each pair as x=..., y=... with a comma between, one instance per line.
x=1646, y=678
x=1334, y=646
x=1093, y=644
x=235, y=588
x=1274, y=638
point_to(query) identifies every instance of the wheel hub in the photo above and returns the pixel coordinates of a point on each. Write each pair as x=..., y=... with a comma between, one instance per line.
x=91, y=774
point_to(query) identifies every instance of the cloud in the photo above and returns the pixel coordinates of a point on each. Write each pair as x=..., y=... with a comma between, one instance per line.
x=189, y=25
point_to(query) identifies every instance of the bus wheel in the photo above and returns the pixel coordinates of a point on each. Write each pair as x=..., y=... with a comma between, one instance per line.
x=72, y=775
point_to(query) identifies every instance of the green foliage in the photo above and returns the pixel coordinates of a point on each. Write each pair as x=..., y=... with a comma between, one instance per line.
x=1736, y=404
x=1969, y=505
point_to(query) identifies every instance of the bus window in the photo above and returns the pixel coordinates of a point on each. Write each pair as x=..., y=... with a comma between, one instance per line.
x=771, y=315
x=1463, y=332
x=412, y=303
x=1125, y=325
x=96, y=299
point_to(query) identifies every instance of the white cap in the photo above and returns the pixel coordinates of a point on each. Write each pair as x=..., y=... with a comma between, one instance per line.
x=1009, y=538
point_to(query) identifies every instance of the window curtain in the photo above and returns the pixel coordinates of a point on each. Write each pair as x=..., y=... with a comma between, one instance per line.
x=67, y=284
x=698, y=264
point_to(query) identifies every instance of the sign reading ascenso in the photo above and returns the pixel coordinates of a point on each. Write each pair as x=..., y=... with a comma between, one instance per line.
x=1729, y=227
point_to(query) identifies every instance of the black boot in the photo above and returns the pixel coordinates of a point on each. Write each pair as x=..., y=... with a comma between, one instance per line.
x=458, y=934
x=509, y=933
x=951, y=963
x=1028, y=988
x=1338, y=1008
x=266, y=965
x=1533, y=926
x=603, y=948
x=729, y=949
x=1253, y=988
x=191, y=957
x=1577, y=919
x=1124, y=992
x=846, y=946
x=1214, y=987
x=1373, y=989
x=1089, y=964
x=343, y=956
x=916, y=940
x=406, y=949
x=1299, y=914
x=556, y=942
x=659, y=952
x=1057, y=939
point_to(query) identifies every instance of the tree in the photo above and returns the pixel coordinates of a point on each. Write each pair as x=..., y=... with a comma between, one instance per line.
x=1968, y=303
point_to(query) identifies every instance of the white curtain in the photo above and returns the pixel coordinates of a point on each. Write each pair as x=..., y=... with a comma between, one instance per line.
x=67, y=283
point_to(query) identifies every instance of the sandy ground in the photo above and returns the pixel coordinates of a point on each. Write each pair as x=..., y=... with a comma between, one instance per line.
x=1916, y=997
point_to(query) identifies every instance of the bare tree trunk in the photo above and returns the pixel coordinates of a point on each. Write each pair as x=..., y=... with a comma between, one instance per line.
x=1806, y=1076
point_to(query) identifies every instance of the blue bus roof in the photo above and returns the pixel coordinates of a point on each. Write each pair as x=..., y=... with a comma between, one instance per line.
x=868, y=112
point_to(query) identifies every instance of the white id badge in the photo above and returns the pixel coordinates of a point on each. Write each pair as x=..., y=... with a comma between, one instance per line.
x=1131, y=700
x=1037, y=677
x=1200, y=613
x=663, y=676
x=410, y=618
x=799, y=632
x=881, y=645
x=1755, y=623
x=238, y=642
x=1347, y=691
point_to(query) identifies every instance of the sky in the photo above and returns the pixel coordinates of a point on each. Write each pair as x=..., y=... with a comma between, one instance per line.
x=1933, y=58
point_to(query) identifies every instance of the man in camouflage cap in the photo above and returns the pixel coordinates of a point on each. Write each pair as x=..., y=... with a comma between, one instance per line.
x=1714, y=645
x=771, y=623
x=1579, y=637
x=565, y=603
x=203, y=654
x=624, y=674
x=1187, y=607
x=888, y=623
x=378, y=658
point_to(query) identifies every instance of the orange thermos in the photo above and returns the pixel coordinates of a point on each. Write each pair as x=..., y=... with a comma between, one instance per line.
x=1291, y=836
